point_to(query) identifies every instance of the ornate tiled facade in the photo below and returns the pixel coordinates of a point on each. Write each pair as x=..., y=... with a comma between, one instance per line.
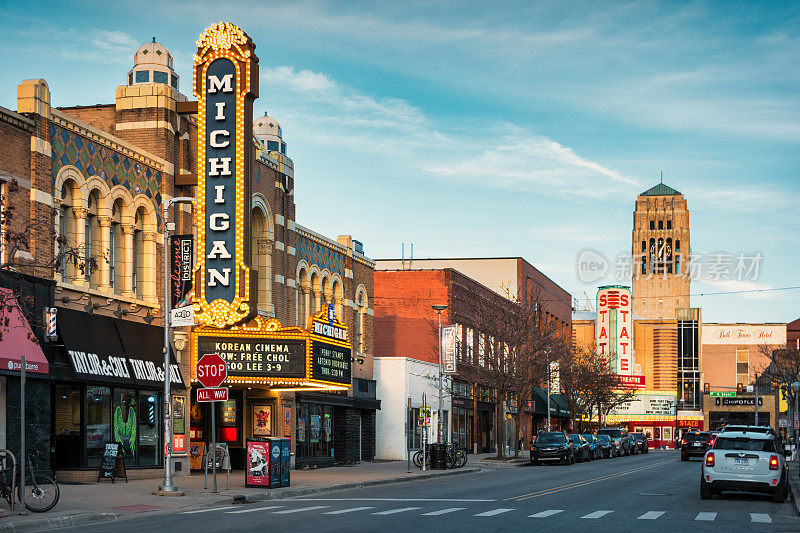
x=314, y=253
x=93, y=159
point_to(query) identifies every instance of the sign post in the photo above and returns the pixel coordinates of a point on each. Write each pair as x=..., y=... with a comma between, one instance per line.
x=211, y=372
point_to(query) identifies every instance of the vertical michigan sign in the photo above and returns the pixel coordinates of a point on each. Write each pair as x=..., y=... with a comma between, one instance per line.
x=225, y=84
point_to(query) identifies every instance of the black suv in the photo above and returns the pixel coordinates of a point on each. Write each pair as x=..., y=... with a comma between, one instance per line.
x=695, y=444
x=641, y=442
x=619, y=439
x=552, y=446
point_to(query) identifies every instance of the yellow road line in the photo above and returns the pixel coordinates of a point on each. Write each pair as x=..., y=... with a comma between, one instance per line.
x=551, y=490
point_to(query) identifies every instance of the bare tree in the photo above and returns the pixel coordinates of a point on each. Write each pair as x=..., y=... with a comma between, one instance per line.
x=19, y=231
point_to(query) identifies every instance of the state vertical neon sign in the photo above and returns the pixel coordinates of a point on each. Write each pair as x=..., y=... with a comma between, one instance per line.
x=225, y=84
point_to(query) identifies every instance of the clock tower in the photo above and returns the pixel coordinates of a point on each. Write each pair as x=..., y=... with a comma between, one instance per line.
x=660, y=250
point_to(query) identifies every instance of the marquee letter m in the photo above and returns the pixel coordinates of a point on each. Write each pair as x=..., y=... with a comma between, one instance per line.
x=214, y=83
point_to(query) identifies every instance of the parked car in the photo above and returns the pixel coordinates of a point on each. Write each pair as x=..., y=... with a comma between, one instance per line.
x=642, y=444
x=622, y=445
x=606, y=446
x=552, y=446
x=634, y=446
x=751, y=429
x=595, y=448
x=750, y=461
x=580, y=446
x=695, y=444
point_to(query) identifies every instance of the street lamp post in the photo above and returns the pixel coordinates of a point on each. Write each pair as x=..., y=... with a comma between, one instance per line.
x=439, y=308
x=168, y=486
x=796, y=389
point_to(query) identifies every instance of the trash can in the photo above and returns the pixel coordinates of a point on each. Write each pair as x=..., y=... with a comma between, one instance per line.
x=438, y=456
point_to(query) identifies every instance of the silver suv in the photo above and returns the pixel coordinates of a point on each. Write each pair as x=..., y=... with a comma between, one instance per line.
x=745, y=460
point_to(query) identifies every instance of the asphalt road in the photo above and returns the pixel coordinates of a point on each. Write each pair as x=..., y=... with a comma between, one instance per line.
x=652, y=492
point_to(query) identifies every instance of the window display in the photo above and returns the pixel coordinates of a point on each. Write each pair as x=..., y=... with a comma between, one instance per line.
x=125, y=423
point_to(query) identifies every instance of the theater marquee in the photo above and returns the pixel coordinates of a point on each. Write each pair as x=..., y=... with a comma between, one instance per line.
x=264, y=352
x=225, y=84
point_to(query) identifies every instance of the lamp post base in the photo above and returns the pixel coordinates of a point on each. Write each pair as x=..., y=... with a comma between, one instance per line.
x=168, y=491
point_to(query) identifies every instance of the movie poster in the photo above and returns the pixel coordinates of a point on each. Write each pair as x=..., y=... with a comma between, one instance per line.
x=262, y=420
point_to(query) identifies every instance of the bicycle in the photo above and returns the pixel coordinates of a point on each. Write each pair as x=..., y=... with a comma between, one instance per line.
x=40, y=490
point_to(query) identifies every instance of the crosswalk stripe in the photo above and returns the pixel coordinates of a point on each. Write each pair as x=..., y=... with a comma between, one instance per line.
x=444, y=511
x=254, y=509
x=351, y=510
x=651, y=515
x=708, y=517
x=597, y=514
x=395, y=511
x=312, y=508
x=545, y=514
x=494, y=512
x=760, y=517
x=210, y=509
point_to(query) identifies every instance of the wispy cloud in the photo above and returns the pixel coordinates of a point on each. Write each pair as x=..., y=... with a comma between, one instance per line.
x=488, y=154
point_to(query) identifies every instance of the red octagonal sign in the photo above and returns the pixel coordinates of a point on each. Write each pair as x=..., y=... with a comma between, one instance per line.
x=211, y=370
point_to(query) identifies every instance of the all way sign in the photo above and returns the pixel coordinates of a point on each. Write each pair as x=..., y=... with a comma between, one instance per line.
x=212, y=394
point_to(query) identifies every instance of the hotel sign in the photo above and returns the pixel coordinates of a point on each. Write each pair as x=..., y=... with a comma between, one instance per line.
x=734, y=334
x=225, y=84
x=614, y=328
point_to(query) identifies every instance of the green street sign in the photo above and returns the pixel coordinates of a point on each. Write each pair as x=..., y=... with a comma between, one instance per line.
x=724, y=394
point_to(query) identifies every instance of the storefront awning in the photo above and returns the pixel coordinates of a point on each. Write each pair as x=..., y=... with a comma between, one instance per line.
x=144, y=346
x=18, y=339
x=105, y=350
x=557, y=404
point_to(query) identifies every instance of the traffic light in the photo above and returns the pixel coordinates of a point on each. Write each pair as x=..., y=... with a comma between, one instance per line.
x=706, y=388
x=739, y=388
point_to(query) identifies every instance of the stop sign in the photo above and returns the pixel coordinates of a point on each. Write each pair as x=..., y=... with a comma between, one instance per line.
x=211, y=370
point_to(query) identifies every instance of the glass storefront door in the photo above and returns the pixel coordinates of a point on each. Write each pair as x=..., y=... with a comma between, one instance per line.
x=149, y=428
x=314, y=431
x=98, y=422
x=462, y=427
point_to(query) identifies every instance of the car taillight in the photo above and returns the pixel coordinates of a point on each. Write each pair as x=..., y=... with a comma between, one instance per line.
x=710, y=459
x=711, y=442
x=773, y=462
x=683, y=441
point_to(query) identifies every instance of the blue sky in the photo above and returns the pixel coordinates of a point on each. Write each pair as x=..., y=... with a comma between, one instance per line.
x=495, y=129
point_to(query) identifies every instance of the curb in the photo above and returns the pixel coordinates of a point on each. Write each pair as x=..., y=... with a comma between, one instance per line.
x=78, y=519
x=794, y=493
x=355, y=485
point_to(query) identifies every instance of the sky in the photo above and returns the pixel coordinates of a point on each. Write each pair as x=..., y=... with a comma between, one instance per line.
x=497, y=129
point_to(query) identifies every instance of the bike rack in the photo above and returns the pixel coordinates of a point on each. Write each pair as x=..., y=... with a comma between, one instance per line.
x=4, y=451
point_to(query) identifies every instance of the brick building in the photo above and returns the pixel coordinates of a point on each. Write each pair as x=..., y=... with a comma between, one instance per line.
x=406, y=328
x=91, y=182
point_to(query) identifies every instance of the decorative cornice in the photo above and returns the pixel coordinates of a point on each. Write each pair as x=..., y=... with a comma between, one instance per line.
x=16, y=120
x=107, y=140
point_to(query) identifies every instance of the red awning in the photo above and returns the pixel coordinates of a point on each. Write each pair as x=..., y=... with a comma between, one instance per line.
x=18, y=339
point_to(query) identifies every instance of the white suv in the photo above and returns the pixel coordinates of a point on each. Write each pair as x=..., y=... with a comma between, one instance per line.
x=745, y=460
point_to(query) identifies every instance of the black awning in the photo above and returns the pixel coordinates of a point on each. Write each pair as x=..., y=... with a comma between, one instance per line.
x=144, y=346
x=337, y=400
x=93, y=347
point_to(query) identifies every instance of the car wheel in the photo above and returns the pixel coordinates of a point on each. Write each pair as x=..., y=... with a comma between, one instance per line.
x=535, y=462
x=706, y=493
x=684, y=457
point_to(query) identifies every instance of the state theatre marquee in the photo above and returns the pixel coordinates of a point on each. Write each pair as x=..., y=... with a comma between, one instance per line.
x=264, y=352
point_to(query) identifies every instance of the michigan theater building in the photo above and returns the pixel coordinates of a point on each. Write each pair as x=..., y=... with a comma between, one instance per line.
x=287, y=308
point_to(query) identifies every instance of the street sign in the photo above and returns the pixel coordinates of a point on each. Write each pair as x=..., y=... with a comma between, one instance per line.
x=723, y=394
x=211, y=370
x=212, y=394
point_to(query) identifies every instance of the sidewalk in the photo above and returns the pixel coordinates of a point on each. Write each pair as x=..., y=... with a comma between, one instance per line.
x=794, y=485
x=96, y=502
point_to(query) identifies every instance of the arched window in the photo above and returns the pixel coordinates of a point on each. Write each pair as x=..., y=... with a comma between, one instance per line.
x=92, y=241
x=261, y=252
x=312, y=294
x=360, y=309
x=302, y=294
x=325, y=292
x=116, y=250
x=67, y=228
x=138, y=254
x=338, y=298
